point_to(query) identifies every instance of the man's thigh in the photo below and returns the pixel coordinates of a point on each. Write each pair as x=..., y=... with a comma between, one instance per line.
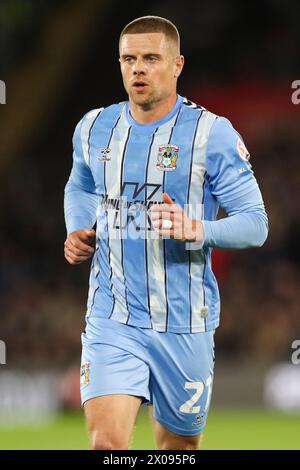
x=167, y=440
x=181, y=381
x=113, y=384
x=110, y=420
x=111, y=370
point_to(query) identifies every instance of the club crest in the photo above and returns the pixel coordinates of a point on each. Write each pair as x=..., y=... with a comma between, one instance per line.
x=85, y=374
x=167, y=157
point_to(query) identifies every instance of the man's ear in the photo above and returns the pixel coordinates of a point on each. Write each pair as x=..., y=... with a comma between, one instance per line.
x=180, y=62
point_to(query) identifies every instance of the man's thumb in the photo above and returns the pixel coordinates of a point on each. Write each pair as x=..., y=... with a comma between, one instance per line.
x=90, y=232
x=167, y=199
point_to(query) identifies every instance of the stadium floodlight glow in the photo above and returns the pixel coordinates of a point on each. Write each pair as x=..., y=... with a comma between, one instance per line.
x=2, y=92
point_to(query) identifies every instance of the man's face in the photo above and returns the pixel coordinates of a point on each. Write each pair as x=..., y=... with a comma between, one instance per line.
x=150, y=66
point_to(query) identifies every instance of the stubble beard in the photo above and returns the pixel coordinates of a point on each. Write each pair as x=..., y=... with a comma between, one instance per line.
x=145, y=102
x=148, y=102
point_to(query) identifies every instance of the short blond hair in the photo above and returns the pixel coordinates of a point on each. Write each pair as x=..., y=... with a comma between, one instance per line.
x=153, y=24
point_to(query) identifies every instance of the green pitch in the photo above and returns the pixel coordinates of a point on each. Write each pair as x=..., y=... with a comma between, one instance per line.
x=226, y=429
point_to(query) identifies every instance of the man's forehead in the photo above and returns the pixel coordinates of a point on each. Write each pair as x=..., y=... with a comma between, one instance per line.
x=143, y=42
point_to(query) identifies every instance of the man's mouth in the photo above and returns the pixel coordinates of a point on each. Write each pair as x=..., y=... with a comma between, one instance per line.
x=139, y=85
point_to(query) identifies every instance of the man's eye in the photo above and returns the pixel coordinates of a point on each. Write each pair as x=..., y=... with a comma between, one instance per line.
x=152, y=59
x=128, y=59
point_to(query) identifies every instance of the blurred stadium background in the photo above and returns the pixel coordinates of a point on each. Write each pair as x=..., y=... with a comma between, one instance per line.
x=58, y=60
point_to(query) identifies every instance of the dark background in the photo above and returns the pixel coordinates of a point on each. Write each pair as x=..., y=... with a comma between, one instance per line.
x=59, y=59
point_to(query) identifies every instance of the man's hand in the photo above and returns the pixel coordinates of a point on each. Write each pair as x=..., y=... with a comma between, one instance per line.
x=79, y=246
x=183, y=228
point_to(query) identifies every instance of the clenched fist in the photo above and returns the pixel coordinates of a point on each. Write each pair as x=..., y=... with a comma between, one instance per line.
x=79, y=246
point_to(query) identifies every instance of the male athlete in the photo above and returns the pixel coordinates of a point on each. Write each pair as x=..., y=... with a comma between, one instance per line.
x=151, y=173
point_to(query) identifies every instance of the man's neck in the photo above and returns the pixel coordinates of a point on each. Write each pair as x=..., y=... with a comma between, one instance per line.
x=143, y=115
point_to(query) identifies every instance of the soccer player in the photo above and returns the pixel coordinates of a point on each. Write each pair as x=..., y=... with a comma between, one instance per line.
x=150, y=174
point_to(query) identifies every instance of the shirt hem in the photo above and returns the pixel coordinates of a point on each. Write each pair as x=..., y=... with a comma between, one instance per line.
x=161, y=328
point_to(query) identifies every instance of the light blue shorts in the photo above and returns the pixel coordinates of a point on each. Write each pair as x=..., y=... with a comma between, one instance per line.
x=174, y=372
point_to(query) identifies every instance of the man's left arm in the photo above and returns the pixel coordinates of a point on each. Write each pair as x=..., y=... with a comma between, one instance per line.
x=232, y=183
x=245, y=227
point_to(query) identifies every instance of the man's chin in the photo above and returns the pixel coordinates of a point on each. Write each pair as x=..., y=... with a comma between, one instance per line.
x=145, y=102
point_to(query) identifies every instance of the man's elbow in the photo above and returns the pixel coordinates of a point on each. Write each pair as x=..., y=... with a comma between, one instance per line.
x=262, y=238
x=262, y=232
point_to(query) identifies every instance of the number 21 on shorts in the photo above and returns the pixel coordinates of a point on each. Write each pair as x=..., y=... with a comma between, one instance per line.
x=190, y=405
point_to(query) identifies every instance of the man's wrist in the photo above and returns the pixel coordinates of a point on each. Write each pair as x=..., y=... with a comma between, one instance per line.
x=198, y=232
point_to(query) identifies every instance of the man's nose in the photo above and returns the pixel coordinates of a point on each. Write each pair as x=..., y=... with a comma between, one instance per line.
x=139, y=67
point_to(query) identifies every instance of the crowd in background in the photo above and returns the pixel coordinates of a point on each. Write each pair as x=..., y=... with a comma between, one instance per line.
x=42, y=299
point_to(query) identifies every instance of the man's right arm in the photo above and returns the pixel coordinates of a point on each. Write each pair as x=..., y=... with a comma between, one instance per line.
x=80, y=204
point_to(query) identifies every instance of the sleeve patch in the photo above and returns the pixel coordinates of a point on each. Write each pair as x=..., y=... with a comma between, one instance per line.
x=242, y=150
